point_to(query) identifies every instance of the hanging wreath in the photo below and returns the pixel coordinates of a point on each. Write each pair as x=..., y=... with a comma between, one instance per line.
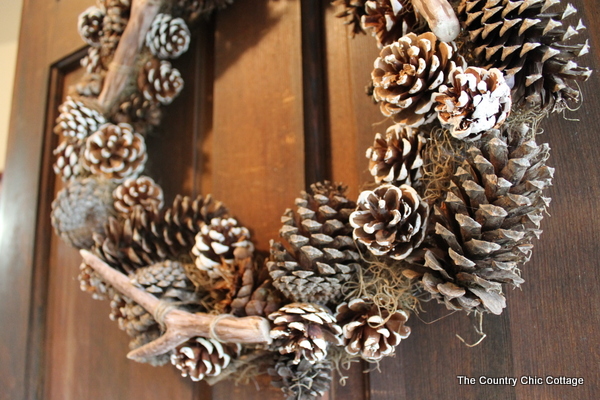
x=457, y=198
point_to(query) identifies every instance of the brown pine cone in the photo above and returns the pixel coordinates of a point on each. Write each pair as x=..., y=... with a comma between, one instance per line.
x=530, y=43
x=476, y=100
x=115, y=152
x=396, y=159
x=80, y=210
x=76, y=120
x=91, y=282
x=168, y=37
x=141, y=191
x=114, y=23
x=318, y=254
x=408, y=72
x=159, y=81
x=138, y=112
x=90, y=25
x=369, y=331
x=485, y=225
x=263, y=300
x=389, y=20
x=303, y=381
x=131, y=317
x=167, y=280
x=352, y=12
x=306, y=330
x=68, y=163
x=390, y=221
x=202, y=357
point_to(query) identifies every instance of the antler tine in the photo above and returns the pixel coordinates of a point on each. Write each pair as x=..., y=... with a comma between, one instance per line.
x=440, y=17
x=181, y=325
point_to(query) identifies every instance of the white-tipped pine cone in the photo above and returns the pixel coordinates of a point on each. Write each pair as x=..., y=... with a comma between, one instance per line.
x=76, y=120
x=475, y=100
x=200, y=357
x=407, y=74
x=141, y=191
x=159, y=81
x=168, y=37
x=90, y=25
x=68, y=163
x=115, y=152
x=389, y=20
x=390, y=220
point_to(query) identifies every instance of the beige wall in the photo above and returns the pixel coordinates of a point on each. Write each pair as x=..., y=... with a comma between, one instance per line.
x=10, y=20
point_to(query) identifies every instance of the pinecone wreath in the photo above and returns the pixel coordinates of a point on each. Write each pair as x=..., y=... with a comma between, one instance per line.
x=318, y=255
x=408, y=72
x=301, y=381
x=530, y=43
x=168, y=37
x=160, y=82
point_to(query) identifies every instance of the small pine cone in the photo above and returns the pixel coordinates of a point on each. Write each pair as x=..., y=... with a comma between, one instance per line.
x=68, y=163
x=303, y=381
x=200, y=357
x=396, y=159
x=389, y=20
x=141, y=191
x=91, y=282
x=168, y=37
x=219, y=244
x=530, y=43
x=485, y=225
x=115, y=152
x=390, y=221
x=408, y=72
x=90, y=25
x=80, y=209
x=369, y=331
x=190, y=10
x=138, y=112
x=76, y=120
x=305, y=330
x=475, y=101
x=131, y=317
x=318, y=254
x=159, y=81
x=352, y=12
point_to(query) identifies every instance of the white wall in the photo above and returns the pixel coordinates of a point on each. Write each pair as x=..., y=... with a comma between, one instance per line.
x=10, y=20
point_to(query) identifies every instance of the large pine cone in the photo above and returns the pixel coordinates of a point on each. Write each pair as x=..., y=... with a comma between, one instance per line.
x=159, y=81
x=68, y=163
x=90, y=25
x=391, y=221
x=408, y=72
x=369, y=331
x=396, y=159
x=168, y=37
x=352, y=11
x=115, y=152
x=305, y=330
x=76, y=120
x=529, y=43
x=485, y=225
x=81, y=209
x=476, y=100
x=202, y=357
x=303, y=381
x=389, y=20
x=318, y=255
x=142, y=191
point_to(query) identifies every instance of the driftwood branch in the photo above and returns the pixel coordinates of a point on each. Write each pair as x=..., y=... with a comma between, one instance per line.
x=441, y=18
x=140, y=20
x=180, y=325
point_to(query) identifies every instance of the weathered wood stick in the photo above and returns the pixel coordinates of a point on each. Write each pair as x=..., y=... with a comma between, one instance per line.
x=180, y=325
x=140, y=20
x=441, y=18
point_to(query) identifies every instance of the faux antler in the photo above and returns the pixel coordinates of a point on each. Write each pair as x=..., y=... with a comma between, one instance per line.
x=180, y=325
x=441, y=18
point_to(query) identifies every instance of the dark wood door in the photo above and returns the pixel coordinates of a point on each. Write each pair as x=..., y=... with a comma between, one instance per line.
x=274, y=100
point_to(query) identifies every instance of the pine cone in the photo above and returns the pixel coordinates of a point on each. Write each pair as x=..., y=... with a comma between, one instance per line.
x=138, y=112
x=408, y=72
x=91, y=282
x=115, y=152
x=202, y=357
x=77, y=120
x=391, y=221
x=159, y=81
x=190, y=10
x=352, y=12
x=68, y=163
x=90, y=25
x=219, y=244
x=115, y=21
x=168, y=37
x=476, y=101
x=389, y=20
x=263, y=300
x=92, y=62
x=80, y=209
x=369, y=331
x=305, y=330
x=141, y=191
x=167, y=280
x=303, y=381
x=529, y=43
x=131, y=317
x=396, y=159
x=485, y=225
x=318, y=255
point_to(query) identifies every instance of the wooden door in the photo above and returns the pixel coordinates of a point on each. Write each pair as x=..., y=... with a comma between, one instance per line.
x=274, y=100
